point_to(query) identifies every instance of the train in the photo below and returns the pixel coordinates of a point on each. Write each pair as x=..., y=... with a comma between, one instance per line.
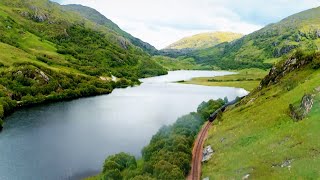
x=214, y=115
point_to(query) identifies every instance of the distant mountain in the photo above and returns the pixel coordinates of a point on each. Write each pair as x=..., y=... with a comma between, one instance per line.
x=267, y=45
x=93, y=15
x=204, y=40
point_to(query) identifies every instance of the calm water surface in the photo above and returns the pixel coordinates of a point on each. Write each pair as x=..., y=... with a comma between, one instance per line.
x=70, y=139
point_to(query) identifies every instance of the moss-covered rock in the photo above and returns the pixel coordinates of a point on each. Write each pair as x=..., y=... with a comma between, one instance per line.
x=298, y=113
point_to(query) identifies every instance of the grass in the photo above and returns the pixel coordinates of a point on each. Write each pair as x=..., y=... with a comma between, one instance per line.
x=248, y=79
x=258, y=137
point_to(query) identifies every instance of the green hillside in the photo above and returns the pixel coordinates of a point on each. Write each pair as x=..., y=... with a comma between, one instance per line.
x=95, y=16
x=274, y=132
x=49, y=54
x=204, y=40
x=265, y=46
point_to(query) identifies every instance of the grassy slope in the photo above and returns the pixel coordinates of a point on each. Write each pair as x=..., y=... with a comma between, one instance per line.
x=204, y=40
x=248, y=79
x=258, y=136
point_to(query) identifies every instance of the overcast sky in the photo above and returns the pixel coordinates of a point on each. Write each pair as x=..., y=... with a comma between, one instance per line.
x=162, y=22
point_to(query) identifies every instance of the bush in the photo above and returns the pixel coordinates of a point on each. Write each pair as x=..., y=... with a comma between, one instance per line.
x=316, y=63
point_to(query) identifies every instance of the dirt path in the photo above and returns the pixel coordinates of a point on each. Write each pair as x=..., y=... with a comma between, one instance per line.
x=195, y=173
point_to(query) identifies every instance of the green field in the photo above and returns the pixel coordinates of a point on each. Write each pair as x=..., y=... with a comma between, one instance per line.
x=259, y=138
x=247, y=79
x=173, y=64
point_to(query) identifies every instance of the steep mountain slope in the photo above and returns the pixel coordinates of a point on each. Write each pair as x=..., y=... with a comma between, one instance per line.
x=98, y=18
x=267, y=45
x=204, y=40
x=274, y=132
x=49, y=54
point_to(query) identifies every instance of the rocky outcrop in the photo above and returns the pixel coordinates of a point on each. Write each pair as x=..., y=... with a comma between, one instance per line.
x=44, y=76
x=40, y=17
x=298, y=113
x=37, y=15
x=283, y=50
x=33, y=73
x=307, y=103
x=280, y=70
x=123, y=43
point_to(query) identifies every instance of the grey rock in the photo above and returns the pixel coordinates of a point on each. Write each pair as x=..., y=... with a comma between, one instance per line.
x=44, y=76
x=39, y=17
x=283, y=50
x=246, y=176
x=123, y=43
x=207, y=153
x=318, y=33
x=298, y=113
x=222, y=140
x=286, y=163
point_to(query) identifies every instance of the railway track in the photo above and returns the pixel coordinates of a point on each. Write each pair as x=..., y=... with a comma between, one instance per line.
x=197, y=149
x=197, y=153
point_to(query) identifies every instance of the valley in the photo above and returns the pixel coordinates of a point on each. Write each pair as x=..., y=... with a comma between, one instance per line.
x=80, y=97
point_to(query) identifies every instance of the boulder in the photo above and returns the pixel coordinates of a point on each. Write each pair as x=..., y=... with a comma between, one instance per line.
x=318, y=33
x=39, y=17
x=207, y=153
x=298, y=113
x=306, y=104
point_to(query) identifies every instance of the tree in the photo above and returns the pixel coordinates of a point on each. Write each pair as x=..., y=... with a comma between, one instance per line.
x=119, y=161
x=113, y=174
x=165, y=171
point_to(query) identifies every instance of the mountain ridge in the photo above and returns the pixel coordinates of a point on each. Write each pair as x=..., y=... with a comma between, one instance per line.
x=97, y=17
x=204, y=40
